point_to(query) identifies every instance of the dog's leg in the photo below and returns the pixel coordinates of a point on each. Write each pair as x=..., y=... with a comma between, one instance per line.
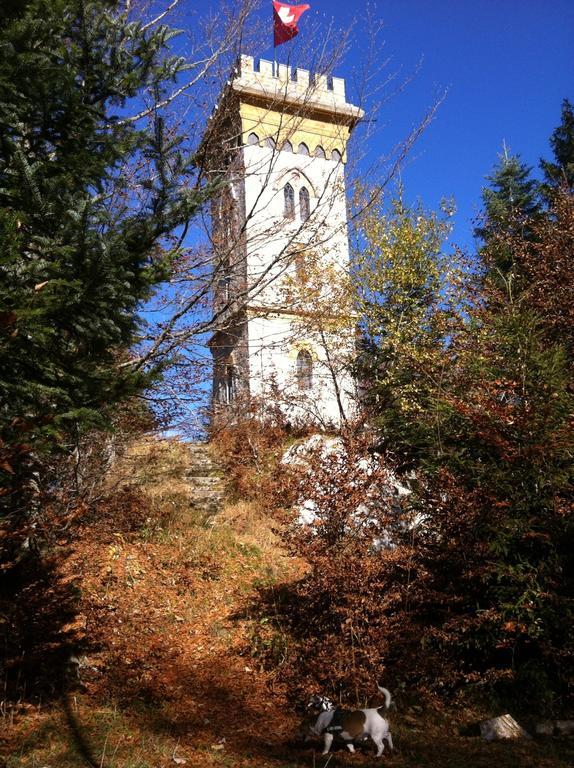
x=390, y=741
x=327, y=741
x=351, y=747
x=380, y=745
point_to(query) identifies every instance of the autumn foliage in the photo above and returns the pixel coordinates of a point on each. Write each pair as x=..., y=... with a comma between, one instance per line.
x=463, y=581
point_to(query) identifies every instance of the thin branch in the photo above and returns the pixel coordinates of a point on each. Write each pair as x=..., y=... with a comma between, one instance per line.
x=162, y=15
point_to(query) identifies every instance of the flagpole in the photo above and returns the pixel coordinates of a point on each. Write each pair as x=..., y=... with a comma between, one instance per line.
x=274, y=47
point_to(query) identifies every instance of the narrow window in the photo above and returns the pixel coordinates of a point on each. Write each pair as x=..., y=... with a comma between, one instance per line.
x=304, y=203
x=304, y=370
x=226, y=386
x=289, y=196
x=303, y=149
x=270, y=142
x=229, y=384
x=252, y=139
x=320, y=152
x=336, y=156
x=287, y=147
x=224, y=282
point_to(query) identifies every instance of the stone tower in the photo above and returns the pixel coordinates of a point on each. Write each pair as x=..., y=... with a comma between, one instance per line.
x=285, y=332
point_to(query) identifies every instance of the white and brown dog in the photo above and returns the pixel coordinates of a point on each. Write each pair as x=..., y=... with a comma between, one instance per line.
x=349, y=725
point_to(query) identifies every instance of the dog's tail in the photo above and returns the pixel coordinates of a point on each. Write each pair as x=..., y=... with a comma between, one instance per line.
x=386, y=694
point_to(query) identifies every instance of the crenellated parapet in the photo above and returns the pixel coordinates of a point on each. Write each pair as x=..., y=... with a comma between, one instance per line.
x=294, y=82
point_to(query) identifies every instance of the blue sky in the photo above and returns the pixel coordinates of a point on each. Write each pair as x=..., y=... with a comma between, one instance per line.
x=507, y=67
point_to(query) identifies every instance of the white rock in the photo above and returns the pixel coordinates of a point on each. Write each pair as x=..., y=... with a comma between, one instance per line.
x=307, y=512
x=503, y=727
x=298, y=455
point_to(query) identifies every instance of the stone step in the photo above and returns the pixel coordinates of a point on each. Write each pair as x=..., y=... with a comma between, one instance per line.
x=205, y=480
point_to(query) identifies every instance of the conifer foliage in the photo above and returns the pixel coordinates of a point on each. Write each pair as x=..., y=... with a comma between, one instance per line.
x=87, y=197
x=562, y=142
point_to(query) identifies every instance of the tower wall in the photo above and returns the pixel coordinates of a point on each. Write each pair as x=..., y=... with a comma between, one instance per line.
x=294, y=333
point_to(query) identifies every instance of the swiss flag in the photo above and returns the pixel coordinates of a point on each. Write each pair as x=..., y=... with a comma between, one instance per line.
x=285, y=18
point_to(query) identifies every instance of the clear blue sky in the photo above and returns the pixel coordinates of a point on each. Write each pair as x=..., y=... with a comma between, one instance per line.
x=507, y=66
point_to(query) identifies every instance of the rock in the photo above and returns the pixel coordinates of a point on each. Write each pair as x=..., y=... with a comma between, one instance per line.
x=300, y=454
x=503, y=727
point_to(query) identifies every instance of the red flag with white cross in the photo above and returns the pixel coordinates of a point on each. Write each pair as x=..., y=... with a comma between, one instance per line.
x=285, y=18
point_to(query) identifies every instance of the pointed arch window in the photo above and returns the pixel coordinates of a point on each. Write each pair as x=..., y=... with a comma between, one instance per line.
x=270, y=143
x=303, y=149
x=287, y=147
x=253, y=139
x=289, y=200
x=304, y=370
x=319, y=152
x=304, y=203
x=336, y=156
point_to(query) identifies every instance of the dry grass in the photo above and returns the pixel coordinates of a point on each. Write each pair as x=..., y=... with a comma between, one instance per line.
x=171, y=671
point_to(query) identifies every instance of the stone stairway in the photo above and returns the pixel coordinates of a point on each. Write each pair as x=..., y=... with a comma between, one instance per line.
x=206, y=481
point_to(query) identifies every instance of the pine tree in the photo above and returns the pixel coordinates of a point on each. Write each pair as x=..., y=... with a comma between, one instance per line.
x=87, y=198
x=511, y=203
x=510, y=199
x=562, y=143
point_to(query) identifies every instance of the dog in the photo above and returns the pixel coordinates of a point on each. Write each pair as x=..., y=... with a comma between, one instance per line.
x=349, y=725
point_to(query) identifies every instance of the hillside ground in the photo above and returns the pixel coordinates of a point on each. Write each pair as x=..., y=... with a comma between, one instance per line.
x=159, y=599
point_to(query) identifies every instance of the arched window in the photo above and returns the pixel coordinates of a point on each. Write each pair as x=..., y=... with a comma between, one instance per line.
x=270, y=142
x=287, y=147
x=303, y=149
x=304, y=370
x=304, y=203
x=319, y=152
x=336, y=156
x=252, y=139
x=289, y=197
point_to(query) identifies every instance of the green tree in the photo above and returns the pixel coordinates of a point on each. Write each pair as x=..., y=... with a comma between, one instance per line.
x=409, y=296
x=87, y=197
x=562, y=142
x=510, y=203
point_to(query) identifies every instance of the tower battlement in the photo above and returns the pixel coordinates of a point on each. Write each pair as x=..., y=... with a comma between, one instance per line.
x=271, y=76
x=293, y=88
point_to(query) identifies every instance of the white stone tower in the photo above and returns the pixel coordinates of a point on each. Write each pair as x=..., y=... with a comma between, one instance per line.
x=285, y=331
